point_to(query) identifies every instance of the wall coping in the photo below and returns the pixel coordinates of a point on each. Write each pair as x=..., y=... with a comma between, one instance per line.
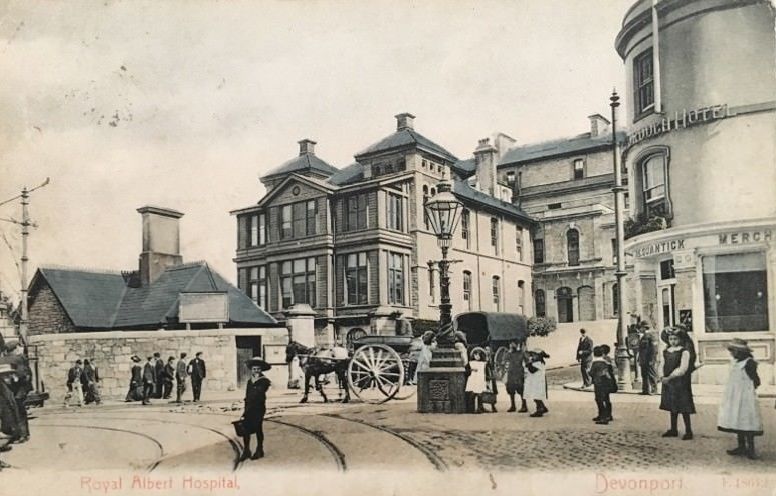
x=70, y=336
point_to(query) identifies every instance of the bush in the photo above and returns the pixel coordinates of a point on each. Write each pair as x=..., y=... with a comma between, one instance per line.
x=419, y=326
x=644, y=224
x=541, y=326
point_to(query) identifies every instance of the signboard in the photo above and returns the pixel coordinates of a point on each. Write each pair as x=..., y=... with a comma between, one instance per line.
x=659, y=248
x=203, y=307
x=679, y=120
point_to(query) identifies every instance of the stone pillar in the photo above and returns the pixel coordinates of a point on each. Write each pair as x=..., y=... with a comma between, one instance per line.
x=300, y=321
x=441, y=388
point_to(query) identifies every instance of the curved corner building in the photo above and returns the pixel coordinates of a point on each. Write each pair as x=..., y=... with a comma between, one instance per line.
x=701, y=160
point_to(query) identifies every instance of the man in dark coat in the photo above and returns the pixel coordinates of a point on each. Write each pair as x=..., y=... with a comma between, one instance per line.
x=159, y=371
x=135, y=392
x=197, y=371
x=91, y=379
x=168, y=376
x=516, y=375
x=584, y=357
x=149, y=380
x=647, y=358
x=181, y=372
x=75, y=384
x=21, y=384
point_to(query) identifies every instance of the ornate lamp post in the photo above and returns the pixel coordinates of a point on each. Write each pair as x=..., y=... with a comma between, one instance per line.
x=441, y=387
x=621, y=357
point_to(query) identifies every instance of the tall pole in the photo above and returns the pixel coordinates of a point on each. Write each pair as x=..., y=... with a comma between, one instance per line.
x=25, y=258
x=445, y=307
x=622, y=358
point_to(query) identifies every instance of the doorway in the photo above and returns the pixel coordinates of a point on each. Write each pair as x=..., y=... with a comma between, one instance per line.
x=247, y=348
x=565, y=304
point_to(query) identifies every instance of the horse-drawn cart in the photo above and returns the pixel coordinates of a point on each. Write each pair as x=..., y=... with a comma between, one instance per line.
x=494, y=330
x=381, y=366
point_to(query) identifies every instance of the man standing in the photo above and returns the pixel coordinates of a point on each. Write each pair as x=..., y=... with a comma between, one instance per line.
x=75, y=384
x=168, y=376
x=647, y=357
x=159, y=371
x=149, y=380
x=585, y=356
x=197, y=371
x=21, y=385
x=91, y=379
x=180, y=377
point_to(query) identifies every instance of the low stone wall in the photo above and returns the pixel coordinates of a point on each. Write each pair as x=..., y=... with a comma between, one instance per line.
x=111, y=352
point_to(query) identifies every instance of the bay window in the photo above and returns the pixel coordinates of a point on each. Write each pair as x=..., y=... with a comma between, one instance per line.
x=356, y=279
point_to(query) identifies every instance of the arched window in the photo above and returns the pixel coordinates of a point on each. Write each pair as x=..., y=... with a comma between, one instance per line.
x=496, y=293
x=565, y=301
x=653, y=182
x=541, y=309
x=572, y=242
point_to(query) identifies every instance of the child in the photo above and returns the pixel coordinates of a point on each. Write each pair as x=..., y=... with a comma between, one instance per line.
x=676, y=395
x=475, y=383
x=516, y=376
x=535, y=387
x=739, y=411
x=602, y=373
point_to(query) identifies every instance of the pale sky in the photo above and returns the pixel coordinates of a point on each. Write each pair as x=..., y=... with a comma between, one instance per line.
x=183, y=104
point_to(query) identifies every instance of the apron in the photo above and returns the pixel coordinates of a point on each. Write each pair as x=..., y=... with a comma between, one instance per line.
x=535, y=384
x=739, y=410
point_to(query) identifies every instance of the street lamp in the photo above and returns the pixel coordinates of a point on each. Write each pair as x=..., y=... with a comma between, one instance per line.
x=621, y=356
x=443, y=211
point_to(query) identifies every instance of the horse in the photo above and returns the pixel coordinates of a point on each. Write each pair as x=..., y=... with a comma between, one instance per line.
x=315, y=365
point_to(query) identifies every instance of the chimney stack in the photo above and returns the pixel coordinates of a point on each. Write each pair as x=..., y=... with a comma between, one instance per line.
x=485, y=161
x=599, y=125
x=161, y=242
x=404, y=121
x=307, y=147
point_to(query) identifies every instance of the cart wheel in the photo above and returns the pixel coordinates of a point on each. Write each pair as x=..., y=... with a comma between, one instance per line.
x=407, y=390
x=500, y=364
x=375, y=373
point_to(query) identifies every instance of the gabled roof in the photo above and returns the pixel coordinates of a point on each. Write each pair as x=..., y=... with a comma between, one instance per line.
x=103, y=300
x=463, y=190
x=304, y=162
x=406, y=138
x=562, y=146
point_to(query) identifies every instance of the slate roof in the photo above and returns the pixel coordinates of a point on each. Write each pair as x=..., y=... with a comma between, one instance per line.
x=301, y=163
x=463, y=190
x=465, y=168
x=562, y=146
x=103, y=300
x=350, y=174
x=406, y=138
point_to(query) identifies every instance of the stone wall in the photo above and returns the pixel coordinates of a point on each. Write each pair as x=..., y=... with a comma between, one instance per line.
x=111, y=352
x=46, y=314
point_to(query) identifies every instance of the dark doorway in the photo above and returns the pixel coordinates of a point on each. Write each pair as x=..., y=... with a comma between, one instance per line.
x=565, y=305
x=247, y=348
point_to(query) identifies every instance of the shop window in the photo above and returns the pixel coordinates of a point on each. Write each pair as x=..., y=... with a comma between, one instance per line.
x=579, y=169
x=356, y=287
x=667, y=269
x=643, y=84
x=465, y=232
x=565, y=302
x=735, y=292
x=541, y=308
x=572, y=243
x=538, y=251
x=467, y=289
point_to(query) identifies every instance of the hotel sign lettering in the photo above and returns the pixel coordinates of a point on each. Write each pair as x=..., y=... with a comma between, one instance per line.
x=743, y=237
x=658, y=248
x=680, y=120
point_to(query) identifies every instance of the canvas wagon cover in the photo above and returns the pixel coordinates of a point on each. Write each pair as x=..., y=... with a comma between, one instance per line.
x=480, y=327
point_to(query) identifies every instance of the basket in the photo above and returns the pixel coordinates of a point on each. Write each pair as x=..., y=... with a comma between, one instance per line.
x=488, y=397
x=239, y=428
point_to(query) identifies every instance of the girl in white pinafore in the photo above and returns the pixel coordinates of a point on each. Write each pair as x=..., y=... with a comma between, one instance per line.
x=739, y=411
x=535, y=386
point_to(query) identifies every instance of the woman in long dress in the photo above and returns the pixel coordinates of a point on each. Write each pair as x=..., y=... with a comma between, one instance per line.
x=676, y=395
x=255, y=408
x=535, y=387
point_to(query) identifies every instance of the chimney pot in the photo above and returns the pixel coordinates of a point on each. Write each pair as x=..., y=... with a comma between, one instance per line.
x=161, y=242
x=598, y=125
x=307, y=147
x=404, y=121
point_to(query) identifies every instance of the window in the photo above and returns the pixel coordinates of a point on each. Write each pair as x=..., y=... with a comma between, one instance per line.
x=431, y=283
x=643, y=84
x=579, y=168
x=511, y=178
x=519, y=244
x=653, y=172
x=254, y=229
x=395, y=212
x=355, y=208
x=496, y=293
x=554, y=206
x=538, y=251
x=425, y=200
x=565, y=304
x=467, y=289
x=667, y=269
x=312, y=214
x=615, y=300
x=521, y=297
x=262, y=229
x=286, y=222
x=395, y=279
x=572, y=242
x=356, y=287
x=735, y=292
x=541, y=309
x=297, y=282
x=494, y=234
x=465, y=233
x=614, y=251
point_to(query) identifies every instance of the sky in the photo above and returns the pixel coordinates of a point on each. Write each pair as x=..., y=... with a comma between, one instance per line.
x=184, y=104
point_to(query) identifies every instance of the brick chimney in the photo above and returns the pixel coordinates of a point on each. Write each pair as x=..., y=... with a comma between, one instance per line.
x=599, y=125
x=161, y=242
x=404, y=121
x=485, y=160
x=307, y=147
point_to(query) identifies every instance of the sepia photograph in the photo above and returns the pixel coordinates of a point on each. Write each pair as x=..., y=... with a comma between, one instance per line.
x=389, y=248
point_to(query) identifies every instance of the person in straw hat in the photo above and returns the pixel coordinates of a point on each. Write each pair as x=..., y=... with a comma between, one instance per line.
x=255, y=408
x=739, y=412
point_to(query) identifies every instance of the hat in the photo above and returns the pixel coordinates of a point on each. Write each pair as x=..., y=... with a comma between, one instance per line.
x=78, y=361
x=673, y=331
x=258, y=362
x=135, y=358
x=739, y=345
x=539, y=352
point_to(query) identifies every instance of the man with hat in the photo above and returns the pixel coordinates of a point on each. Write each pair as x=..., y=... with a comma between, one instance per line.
x=149, y=380
x=181, y=373
x=21, y=383
x=585, y=357
x=159, y=374
x=75, y=384
x=136, y=380
x=647, y=358
x=197, y=372
x=255, y=408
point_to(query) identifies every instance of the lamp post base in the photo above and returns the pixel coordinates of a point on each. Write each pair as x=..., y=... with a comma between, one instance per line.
x=622, y=360
x=441, y=388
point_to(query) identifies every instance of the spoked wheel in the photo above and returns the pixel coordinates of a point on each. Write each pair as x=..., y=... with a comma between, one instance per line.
x=407, y=390
x=375, y=373
x=500, y=364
